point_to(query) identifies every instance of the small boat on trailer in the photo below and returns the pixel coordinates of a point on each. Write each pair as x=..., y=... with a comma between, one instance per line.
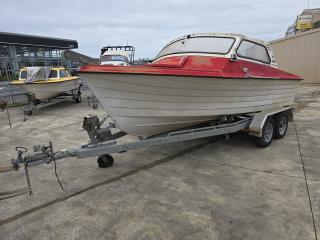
x=240, y=88
x=43, y=84
x=194, y=79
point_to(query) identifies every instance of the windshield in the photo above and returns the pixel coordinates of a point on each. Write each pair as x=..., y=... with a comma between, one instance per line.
x=63, y=73
x=53, y=74
x=23, y=74
x=114, y=58
x=216, y=45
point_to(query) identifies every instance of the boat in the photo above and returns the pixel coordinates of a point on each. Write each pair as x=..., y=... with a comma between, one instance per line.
x=117, y=55
x=44, y=83
x=194, y=79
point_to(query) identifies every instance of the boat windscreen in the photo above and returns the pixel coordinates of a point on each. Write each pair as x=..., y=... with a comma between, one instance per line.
x=53, y=74
x=23, y=74
x=216, y=45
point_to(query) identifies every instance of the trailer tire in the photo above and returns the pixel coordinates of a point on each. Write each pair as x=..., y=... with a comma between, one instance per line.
x=78, y=98
x=281, y=125
x=267, y=133
x=29, y=112
x=105, y=161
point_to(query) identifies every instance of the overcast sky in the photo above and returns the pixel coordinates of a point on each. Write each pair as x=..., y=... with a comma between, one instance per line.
x=147, y=24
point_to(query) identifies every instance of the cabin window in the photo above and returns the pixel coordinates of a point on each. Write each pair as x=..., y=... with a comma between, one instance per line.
x=253, y=51
x=62, y=73
x=203, y=44
x=53, y=74
x=107, y=58
x=23, y=75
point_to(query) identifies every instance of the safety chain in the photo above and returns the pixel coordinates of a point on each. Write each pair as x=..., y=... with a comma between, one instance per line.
x=103, y=120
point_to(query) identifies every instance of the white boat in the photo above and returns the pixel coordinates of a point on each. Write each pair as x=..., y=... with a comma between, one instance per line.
x=46, y=82
x=117, y=55
x=194, y=79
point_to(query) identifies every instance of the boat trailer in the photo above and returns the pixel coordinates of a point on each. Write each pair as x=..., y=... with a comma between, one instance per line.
x=34, y=103
x=104, y=141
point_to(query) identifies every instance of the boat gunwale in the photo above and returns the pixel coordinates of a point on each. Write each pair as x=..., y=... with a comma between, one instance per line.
x=186, y=75
x=23, y=82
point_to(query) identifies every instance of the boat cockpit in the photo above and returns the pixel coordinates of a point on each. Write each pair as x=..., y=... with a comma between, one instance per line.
x=233, y=46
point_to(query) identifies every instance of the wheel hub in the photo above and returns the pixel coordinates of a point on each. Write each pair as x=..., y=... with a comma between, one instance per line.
x=282, y=125
x=268, y=132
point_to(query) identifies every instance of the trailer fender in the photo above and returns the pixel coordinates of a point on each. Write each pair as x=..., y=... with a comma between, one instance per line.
x=260, y=118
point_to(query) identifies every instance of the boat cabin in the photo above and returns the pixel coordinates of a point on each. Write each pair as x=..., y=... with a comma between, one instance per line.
x=233, y=46
x=117, y=55
x=46, y=72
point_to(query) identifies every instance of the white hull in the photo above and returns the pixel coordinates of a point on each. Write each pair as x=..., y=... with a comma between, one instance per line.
x=44, y=91
x=144, y=105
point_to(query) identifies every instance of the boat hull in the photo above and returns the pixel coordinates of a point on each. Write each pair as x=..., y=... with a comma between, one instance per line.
x=149, y=104
x=44, y=91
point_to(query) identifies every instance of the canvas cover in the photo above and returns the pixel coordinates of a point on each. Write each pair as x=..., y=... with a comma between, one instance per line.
x=37, y=73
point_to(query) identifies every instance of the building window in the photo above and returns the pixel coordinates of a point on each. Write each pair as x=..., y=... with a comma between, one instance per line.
x=4, y=51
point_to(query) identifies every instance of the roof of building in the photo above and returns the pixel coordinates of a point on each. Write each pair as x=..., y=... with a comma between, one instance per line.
x=32, y=40
x=310, y=10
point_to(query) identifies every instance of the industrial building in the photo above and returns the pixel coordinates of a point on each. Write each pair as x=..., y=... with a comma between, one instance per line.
x=299, y=51
x=309, y=19
x=21, y=50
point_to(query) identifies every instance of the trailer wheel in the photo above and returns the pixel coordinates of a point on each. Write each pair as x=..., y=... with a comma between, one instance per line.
x=29, y=112
x=105, y=161
x=281, y=125
x=267, y=133
x=77, y=99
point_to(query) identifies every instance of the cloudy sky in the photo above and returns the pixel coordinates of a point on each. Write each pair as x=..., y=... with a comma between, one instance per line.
x=147, y=24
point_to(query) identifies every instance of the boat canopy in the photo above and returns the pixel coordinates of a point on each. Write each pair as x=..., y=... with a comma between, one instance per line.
x=37, y=73
x=198, y=44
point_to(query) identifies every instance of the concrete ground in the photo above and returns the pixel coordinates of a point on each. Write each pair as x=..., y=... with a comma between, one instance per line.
x=204, y=189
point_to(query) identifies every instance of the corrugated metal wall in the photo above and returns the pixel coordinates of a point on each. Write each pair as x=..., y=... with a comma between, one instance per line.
x=300, y=54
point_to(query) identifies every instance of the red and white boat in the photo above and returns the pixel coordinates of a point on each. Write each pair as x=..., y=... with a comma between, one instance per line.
x=195, y=78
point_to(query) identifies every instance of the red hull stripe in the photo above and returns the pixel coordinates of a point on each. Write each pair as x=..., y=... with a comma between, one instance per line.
x=197, y=66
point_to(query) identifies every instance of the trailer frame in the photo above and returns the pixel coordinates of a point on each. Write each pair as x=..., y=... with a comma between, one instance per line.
x=34, y=104
x=104, y=141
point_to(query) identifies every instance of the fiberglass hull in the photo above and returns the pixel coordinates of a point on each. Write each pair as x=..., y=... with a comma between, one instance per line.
x=48, y=89
x=149, y=104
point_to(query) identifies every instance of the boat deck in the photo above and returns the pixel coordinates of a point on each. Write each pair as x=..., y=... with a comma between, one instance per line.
x=203, y=189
